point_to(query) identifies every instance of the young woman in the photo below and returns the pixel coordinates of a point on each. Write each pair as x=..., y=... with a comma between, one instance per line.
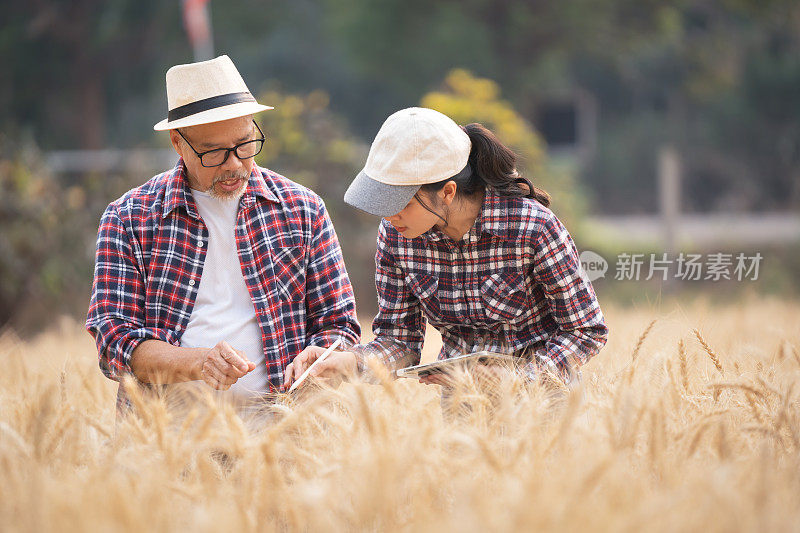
x=469, y=245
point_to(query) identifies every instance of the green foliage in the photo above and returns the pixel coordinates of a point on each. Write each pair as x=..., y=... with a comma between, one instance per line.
x=44, y=229
x=719, y=80
x=704, y=74
x=466, y=98
x=658, y=71
x=68, y=66
x=704, y=78
x=310, y=143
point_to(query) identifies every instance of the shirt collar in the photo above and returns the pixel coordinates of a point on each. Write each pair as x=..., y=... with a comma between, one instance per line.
x=492, y=218
x=178, y=193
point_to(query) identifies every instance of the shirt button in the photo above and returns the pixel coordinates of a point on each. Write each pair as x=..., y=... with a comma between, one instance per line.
x=178, y=327
x=200, y=244
x=191, y=283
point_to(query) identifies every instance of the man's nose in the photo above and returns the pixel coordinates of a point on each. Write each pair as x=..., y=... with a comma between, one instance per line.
x=233, y=162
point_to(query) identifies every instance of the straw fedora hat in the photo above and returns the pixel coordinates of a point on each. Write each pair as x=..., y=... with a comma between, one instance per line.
x=207, y=91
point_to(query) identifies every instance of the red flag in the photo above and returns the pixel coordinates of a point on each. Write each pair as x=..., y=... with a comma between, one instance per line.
x=195, y=19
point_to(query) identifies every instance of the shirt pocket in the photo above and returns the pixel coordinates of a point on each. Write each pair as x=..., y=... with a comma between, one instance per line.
x=425, y=287
x=289, y=267
x=503, y=295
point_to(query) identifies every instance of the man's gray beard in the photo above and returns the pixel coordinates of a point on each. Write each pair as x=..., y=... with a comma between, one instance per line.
x=231, y=196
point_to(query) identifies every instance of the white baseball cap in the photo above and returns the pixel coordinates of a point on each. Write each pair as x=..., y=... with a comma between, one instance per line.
x=206, y=91
x=414, y=147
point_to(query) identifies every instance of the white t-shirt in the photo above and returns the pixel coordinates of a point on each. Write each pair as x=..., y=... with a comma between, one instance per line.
x=223, y=310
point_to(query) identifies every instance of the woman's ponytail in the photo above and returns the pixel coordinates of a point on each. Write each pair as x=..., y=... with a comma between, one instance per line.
x=492, y=165
x=495, y=165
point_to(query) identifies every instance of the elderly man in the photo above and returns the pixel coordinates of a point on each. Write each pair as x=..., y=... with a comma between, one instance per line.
x=217, y=270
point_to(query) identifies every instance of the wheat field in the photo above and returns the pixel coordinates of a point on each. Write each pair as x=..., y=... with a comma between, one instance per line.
x=687, y=420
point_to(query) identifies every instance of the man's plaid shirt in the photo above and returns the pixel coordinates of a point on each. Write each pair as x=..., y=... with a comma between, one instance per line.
x=151, y=247
x=511, y=285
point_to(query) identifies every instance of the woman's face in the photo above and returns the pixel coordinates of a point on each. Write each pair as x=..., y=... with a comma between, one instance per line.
x=414, y=219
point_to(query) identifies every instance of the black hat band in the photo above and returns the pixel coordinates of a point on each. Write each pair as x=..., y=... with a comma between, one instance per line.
x=208, y=103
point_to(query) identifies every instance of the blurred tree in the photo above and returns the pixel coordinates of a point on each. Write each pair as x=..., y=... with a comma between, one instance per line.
x=44, y=227
x=68, y=65
x=704, y=77
x=312, y=145
x=699, y=74
x=657, y=69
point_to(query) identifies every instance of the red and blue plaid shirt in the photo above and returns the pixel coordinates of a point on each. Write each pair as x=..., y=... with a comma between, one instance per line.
x=511, y=285
x=151, y=247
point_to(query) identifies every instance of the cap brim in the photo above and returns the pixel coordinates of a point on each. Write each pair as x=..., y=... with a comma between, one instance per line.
x=217, y=114
x=376, y=198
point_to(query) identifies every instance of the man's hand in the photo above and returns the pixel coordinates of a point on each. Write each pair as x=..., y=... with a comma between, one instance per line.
x=222, y=366
x=337, y=364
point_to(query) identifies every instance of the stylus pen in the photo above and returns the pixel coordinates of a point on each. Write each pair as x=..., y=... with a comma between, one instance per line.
x=320, y=359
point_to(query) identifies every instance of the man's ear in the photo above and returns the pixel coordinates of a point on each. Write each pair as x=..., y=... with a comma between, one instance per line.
x=175, y=139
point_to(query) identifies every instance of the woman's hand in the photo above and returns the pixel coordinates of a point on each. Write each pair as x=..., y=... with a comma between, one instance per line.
x=437, y=379
x=336, y=365
x=490, y=375
x=482, y=374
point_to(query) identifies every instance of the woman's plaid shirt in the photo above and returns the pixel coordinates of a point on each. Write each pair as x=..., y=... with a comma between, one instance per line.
x=151, y=247
x=511, y=285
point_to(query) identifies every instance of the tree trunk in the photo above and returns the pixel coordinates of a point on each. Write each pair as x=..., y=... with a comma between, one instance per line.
x=91, y=119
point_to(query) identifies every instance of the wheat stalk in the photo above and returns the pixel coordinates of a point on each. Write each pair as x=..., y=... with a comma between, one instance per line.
x=711, y=354
x=684, y=365
x=382, y=456
x=642, y=337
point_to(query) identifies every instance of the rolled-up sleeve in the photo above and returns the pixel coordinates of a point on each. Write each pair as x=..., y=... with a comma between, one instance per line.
x=329, y=294
x=399, y=324
x=116, y=317
x=582, y=330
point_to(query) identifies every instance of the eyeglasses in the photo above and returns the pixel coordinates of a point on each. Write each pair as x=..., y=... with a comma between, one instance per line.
x=217, y=156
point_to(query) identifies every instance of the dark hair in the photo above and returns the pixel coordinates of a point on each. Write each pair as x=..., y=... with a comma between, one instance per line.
x=490, y=164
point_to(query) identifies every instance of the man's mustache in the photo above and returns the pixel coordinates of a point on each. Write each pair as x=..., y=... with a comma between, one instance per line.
x=237, y=174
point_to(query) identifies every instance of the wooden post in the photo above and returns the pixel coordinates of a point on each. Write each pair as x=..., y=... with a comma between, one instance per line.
x=669, y=192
